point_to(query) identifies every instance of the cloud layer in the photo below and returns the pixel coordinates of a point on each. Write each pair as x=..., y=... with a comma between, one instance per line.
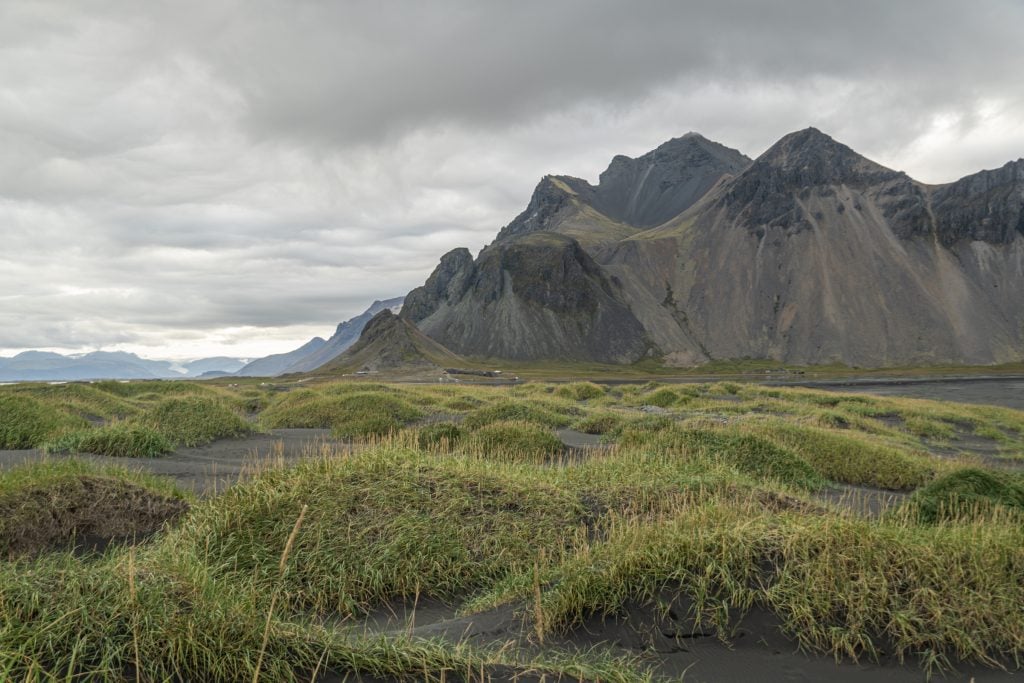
x=189, y=178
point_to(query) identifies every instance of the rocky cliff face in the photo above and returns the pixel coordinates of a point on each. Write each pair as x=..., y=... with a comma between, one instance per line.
x=809, y=254
x=391, y=344
x=538, y=296
x=985, y=207
x=632, y=194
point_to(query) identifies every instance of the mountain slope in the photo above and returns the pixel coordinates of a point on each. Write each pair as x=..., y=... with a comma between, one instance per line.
x=276, y=364
x=632, y=194
x=344, y=336
x=539, y=295
x=390, y=344
x=317, y=351
x=810, y=254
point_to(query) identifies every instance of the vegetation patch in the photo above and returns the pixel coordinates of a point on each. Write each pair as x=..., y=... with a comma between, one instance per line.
x=842, y=586
x=380, y=525
x=349, y=414
x=580, y=391
x=515, y=440
x=27, y=422
x=194, y=420
x=121, y=440
x=439, y=436
x=53, y=506
x=665, y=398
x=514, y=410
x=599, y=423
x=847, y=457
x=968, y=494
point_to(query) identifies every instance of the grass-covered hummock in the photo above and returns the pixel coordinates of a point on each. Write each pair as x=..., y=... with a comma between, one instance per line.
x=48, y=504
x=349, y=414
x=515, y=439
x=194, y=420
x=122, y=440
x=27, y=422
x=968, y=493
x=440, y=435
x=519, y=410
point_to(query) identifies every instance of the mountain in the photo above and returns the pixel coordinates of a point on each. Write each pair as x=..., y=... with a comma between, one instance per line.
x=31, y=366
x=221, y=365
x=316, y=352
x=43, y=366
x=809, y=254
x=389, y=343
x=278, y=363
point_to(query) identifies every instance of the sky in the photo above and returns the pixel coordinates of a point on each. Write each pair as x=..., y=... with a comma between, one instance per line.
x=183, y=179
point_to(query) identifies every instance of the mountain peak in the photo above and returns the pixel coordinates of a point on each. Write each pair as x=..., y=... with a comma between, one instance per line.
x=807, y=146
x=809, y=158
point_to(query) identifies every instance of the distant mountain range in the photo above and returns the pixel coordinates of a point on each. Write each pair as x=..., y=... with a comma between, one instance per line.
x=54, y=367
x=809, y=254
x=45, y=366
x=317, y=352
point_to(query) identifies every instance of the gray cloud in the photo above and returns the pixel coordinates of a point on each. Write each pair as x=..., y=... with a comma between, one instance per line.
x=186, y=177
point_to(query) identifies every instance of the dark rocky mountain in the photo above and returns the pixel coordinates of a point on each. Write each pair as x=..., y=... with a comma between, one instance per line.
x=389, y=344
x=316, y=352
x=537, y=296
x=631, y=194
x=809, y=254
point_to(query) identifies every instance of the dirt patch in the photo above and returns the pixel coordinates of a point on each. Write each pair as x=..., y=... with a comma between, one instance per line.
x=862, y=500
x=85, y=513
x=211, y=468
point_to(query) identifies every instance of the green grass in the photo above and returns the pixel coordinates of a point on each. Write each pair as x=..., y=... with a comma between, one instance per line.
x=968, y=494
x=515, y=439
x=599, y=423
x=525, y=411
x=842, y=586
x=194, y=420
x=350, y=414
x=118, y=440
x=714, y=506
x=442, y=435
x=27, y=422
x=748, y=453
x=580, y=391
x=848, y=457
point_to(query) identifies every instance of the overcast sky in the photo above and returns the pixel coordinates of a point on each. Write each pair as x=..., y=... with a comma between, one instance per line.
x=182, y=179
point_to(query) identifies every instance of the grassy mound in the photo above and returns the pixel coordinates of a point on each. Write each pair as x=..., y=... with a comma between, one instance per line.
x=120, y=440
x=194, y=420
x=361, y=415
x=89, y=401
x=524, y=411
x=580, y=391
x=750, y=454
x=380, y=525
x=515, y=440
x=665, y=398
x=848, y=457
x=968, y=494
x=26, y=422
x=599, y=423
x=48, y=506
x=839, y=585
x=442, y=435
x=348, y=413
